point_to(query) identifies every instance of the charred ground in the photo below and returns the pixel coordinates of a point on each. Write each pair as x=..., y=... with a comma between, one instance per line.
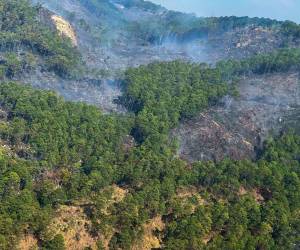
x=238, y=126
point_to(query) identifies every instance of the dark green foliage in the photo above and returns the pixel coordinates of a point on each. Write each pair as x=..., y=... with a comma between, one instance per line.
x=76, y=142
x=281, y=60
x=291, y=29
x=163, y=93
x=235, y=220
x=56, y=152
x=57, y=243
x=60, y=133
x=82, y=148
x=184, y=27
x=19, y=208
x=20, y=29
x=155, y=28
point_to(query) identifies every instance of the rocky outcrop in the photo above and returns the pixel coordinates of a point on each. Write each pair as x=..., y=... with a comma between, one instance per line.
x=64, y=28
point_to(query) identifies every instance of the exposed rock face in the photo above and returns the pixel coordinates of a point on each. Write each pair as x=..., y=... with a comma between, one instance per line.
x=235, y=128
x=64, y=28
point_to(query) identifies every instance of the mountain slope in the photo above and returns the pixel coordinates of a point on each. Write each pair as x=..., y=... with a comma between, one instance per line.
x=68, y=180
x=73, y=177
x=117, y=34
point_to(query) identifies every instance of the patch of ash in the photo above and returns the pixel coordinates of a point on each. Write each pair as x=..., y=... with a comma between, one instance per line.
x=236, y=128
x=101, y=93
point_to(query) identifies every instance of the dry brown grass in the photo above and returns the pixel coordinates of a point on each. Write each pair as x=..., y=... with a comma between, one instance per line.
x=28, y=242
x=118, y=194
x=72, y=223
x=149, y=240
x=106, y=239
x=242, y=191
x=209, y=237
x=188, y=192
x=255, y=193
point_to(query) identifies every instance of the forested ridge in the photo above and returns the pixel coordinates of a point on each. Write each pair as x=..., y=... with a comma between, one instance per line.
x=281, y=60
x=55, y=153
x=173, y=91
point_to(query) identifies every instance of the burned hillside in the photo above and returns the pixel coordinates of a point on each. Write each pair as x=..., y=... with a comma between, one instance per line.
x=237, y=127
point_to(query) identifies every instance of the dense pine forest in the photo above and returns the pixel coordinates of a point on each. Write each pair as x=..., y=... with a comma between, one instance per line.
x=56, y=153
